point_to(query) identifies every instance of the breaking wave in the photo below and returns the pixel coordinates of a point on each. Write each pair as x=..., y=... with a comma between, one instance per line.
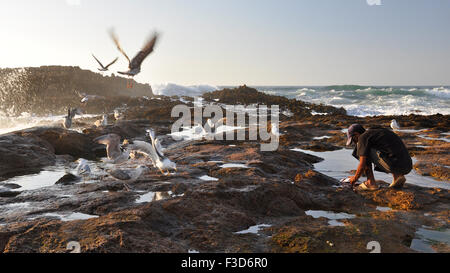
x=172, y=89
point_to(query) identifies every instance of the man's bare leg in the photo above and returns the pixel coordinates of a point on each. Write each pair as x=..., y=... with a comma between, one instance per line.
x=371, y=182
x=398, y=182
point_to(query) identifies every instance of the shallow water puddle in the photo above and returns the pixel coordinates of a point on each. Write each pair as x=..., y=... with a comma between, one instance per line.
x=331, y=216
x=253, y=229
x=208, y=178
x=155, y=196
x=234, y=165
x=337, y=164
x=198, y=132
x=244, y=189
x=426, y=238
x=322, y=137
x=45, y=178
x=435, y=138
x=74, y=216
x=384, y=209
x=409, y=130
x=314, y=113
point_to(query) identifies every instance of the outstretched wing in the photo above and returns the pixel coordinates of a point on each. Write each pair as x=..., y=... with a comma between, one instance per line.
x=72, y=112
x=116, y=41
x=81, y=95
x=145, y=51
x=115, y=60
x=98, y=61
x=151, y=133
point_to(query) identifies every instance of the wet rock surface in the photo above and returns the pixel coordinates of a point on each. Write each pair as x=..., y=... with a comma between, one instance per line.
x=261, y=204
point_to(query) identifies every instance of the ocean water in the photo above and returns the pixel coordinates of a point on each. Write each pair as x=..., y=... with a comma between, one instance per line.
x=372, y=101
x=357, y=100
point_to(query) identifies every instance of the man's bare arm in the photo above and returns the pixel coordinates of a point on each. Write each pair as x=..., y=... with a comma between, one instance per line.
x=361, y=167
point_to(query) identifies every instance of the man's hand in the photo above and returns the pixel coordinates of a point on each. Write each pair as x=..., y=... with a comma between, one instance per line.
x=361, y=167
x=352, y=180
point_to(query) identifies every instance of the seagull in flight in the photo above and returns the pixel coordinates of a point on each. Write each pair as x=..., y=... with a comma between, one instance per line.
x=85, y=97
x=134, y=64
x=104, y=68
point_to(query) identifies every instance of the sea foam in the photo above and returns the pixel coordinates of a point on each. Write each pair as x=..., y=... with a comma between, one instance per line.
x=172, y=89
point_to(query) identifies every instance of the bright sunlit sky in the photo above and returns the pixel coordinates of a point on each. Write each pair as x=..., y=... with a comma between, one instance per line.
x=231, y=42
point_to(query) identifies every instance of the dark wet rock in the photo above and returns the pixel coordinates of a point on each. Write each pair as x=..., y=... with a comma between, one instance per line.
x=433, y=169
x=275, y=188
x=125, y=129
x=51, y=89
x=23, y=155
x=63, y=142
x=68, y=179
x=7, y=193
x=10, y=186
x=245, y=95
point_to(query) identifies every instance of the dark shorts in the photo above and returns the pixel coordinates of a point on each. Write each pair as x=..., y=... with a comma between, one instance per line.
x=383, y=165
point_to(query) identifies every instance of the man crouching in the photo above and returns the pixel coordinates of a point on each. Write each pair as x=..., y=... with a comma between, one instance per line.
x=384, y=149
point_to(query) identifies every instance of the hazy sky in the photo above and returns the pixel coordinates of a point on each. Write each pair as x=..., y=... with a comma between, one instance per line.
x=230, y=42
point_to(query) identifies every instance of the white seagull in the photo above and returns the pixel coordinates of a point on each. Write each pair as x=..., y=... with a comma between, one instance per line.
x=117, y=114
x=103, y=122
x=275, y=129
x=83, y=168
x=154, y=139
x=113, y=148
x=150, y=150
x=70, y=115
x=104, y=68
x=85, y=97
x=134, y=65
x=394, y=125
x=128, y=175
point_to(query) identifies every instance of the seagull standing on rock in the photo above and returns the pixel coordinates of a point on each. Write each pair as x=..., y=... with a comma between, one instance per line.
x=117, y=114
x=70, y=115
x=134, y=65
x=274, y=130
x=83, y=168
x=394, y=125
x=103, y=122
x=128, y=175
x=113, y=148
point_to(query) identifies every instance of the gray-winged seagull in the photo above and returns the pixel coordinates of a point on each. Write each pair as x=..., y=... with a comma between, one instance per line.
x=134, y=64
x=158, y=160
x=128, y=175
x=394, y=125
x=70, y=115
x=104, y=68
x=113, y=148
x=83, y=168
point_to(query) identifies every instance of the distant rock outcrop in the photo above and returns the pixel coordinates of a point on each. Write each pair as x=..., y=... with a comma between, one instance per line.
x=51, y=89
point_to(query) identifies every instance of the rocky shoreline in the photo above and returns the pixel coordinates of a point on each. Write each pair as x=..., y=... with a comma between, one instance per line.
x=268, y=204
